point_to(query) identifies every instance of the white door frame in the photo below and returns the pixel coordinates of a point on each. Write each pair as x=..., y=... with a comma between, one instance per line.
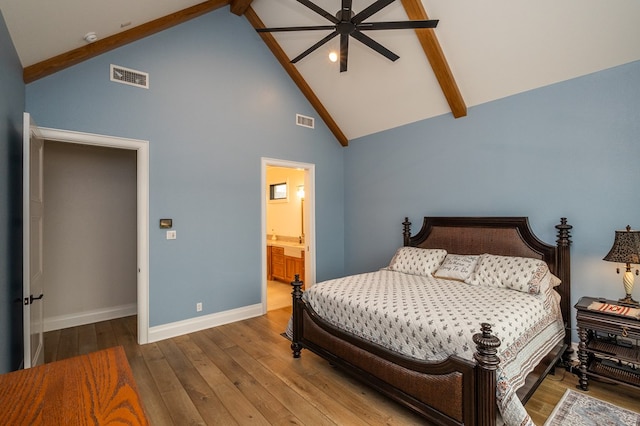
x=309, y=218
x=32, y=265
x=142, y=148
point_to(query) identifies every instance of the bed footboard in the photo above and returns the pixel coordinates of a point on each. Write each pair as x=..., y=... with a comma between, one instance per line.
x=451, y=392
x=454, y=391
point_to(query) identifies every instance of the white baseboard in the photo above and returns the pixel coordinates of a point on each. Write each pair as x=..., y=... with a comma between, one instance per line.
x=89, y=317
x=178, y=328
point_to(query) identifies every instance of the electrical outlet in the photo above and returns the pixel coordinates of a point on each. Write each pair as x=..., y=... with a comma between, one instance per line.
x=198, y=306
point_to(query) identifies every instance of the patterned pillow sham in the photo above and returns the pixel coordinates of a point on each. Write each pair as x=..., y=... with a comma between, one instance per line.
x=417, y=261
x=457, y=267
x=518, y=273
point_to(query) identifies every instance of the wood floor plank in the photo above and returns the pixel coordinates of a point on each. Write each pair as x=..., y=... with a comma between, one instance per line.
x=336, y=409
x=287, y=397
x=68, y=344
x=153, y=404
x=131, y=323
x=317, y=371
x=255, y=389
x=201, y=392
x=105, y=336
x=278, y=319
x=243, y=373
x=87, y=339
x=180, y=406
x=51, y=341
x=156, y=410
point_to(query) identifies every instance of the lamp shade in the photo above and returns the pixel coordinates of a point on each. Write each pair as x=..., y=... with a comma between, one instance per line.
x=626, y=247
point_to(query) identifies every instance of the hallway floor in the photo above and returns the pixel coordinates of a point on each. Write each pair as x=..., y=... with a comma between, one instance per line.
x=278, y=295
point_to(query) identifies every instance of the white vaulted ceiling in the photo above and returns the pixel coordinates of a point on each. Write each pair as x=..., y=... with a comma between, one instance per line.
x=494, y=48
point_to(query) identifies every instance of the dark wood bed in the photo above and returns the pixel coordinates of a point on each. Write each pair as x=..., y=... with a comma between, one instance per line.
x=454, y=391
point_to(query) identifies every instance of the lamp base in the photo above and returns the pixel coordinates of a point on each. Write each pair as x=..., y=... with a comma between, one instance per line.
x=628, y=301
x=627, y=280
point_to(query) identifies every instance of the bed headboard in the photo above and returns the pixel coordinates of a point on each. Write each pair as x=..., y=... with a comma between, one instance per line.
x=506, y=236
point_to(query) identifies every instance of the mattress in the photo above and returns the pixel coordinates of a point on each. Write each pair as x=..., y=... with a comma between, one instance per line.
x=427, y=318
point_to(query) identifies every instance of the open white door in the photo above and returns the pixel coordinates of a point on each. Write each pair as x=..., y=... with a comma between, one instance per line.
x=33, y=283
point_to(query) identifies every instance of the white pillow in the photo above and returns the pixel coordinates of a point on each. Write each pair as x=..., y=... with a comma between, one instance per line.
x=417, y=261
x=518, y=273
x=457, y=267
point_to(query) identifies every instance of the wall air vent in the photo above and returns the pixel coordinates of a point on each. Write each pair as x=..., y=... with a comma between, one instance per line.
x=304, y=121
x=128, y=76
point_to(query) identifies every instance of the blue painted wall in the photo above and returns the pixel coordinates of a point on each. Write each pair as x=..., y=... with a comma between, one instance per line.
x=570, y=149
x=12, y=104
x=218, y=102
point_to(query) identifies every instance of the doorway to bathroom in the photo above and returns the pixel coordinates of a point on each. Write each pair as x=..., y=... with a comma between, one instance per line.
x=288, y=229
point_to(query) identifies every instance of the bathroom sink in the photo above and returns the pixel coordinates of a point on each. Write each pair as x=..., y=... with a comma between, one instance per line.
x=285, y=244
x=292, y=249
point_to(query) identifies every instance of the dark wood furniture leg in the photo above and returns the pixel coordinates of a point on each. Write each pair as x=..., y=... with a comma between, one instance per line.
x=296, y=346
x=583, y=356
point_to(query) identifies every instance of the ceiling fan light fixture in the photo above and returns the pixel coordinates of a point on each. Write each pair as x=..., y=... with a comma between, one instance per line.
x=348, y=24
x=333, y=56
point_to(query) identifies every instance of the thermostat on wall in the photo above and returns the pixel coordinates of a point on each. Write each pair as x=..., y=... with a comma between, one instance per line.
x=166, y=223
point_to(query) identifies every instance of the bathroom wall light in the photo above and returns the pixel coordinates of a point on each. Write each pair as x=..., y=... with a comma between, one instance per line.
x=300, y=191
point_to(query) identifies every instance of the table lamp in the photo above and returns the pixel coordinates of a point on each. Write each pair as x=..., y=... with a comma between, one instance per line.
x=626, y=249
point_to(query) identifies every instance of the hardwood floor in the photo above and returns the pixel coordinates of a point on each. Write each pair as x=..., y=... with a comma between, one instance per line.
x=243, y=373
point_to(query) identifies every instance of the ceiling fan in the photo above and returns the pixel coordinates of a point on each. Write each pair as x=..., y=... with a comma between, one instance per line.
x=347, y=23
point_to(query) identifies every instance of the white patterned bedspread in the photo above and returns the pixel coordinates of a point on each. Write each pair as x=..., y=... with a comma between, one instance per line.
x=429, y=318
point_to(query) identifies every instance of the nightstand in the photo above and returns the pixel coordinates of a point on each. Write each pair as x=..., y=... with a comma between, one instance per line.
x=609, y=347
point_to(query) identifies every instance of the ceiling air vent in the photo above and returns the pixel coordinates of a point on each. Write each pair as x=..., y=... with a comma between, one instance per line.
x=128, y=76
x=304, y=121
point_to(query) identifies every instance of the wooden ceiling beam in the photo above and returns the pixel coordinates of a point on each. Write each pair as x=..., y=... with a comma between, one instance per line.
x=239, y=7
x=435, y=55
x=75, y=56
x=295, y=75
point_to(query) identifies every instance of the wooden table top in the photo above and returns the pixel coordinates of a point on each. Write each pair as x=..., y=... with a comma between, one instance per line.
x=93, y=389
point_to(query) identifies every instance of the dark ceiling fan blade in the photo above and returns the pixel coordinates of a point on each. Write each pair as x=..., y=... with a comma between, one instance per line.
x=368, y=41
x=320, y=11
x=344, y=51
x=314, y=47
x=309, y=28
x=397, y=25
x=346, y=9
x=367, y=12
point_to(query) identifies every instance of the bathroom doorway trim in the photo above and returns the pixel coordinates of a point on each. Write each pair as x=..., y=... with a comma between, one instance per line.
x=309, y=220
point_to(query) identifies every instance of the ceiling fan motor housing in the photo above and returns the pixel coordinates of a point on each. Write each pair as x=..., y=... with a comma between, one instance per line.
x=348, y=24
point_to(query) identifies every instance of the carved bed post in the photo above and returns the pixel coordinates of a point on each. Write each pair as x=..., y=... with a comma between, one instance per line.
x=487, y=359
x=296, y=347
x=406, y=233
x=563, y=243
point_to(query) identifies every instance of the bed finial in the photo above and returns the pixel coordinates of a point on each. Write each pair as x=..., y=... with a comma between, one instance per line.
x=487, y=345
x=406, y=233
x=487, y=359
x=564, y=237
